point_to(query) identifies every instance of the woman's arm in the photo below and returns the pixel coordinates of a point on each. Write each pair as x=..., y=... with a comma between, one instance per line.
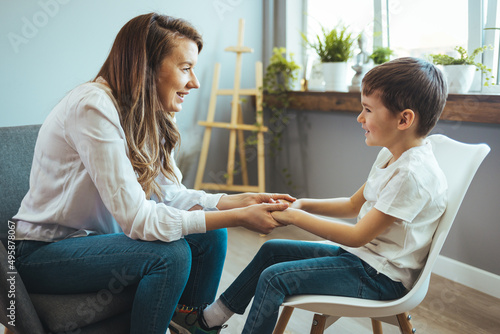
x=365, y=230
x=343, y=207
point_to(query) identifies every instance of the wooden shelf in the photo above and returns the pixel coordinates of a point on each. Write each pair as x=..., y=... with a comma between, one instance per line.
x=459, y=107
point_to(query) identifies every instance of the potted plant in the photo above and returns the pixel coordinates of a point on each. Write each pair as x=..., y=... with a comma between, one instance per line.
x=334, y=48
x=460, y=70
x=279, y=78
x=381, y=55
x=281, y=73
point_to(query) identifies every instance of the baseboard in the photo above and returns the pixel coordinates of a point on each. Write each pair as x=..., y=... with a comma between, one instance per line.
x=467, y=275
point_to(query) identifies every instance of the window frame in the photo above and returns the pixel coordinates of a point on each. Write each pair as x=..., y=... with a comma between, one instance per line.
x=481, y=12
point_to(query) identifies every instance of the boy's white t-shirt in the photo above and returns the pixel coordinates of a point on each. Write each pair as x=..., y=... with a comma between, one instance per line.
x=413, y=190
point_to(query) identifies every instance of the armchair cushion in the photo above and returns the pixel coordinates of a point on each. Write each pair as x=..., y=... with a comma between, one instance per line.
x=63, y=313
x=17, y=145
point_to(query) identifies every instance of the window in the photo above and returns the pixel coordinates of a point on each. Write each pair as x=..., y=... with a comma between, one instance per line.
x=415, y=28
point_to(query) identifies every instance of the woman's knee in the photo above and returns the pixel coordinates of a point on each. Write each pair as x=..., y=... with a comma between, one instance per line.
x=217, y=236
x=170, y=257
x=213, y=243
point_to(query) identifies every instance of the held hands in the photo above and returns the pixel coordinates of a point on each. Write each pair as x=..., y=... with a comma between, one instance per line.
x=259, y=218
x=255, y=209
x=227, y=202
x=287, y=217
x=280, y=212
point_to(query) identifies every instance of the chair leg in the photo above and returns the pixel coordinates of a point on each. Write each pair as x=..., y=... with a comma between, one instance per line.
x=377, y=327
x=318, y=325
x=283, y=320
x=405, y=323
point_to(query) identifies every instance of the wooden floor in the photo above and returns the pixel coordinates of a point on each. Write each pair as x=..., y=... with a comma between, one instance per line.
x=448, y=308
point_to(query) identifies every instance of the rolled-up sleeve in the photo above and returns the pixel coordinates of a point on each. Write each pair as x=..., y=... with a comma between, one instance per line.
x=175, y=194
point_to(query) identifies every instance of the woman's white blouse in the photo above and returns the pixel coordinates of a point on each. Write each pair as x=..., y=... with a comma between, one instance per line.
x=82, y=181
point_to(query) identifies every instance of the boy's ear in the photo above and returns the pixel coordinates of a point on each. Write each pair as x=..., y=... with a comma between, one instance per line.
x=406, y=119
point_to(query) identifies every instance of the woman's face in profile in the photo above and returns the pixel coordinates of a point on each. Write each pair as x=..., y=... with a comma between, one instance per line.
x=176, y=74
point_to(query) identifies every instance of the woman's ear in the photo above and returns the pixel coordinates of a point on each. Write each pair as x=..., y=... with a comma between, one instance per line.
x=406, y=119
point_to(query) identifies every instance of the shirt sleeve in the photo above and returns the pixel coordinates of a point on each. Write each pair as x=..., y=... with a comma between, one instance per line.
x=178, y=196
x=402, y=197
x=93, y=129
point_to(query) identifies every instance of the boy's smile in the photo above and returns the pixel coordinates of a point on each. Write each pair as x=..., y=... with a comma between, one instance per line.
x=395, y=131
x=380, y=125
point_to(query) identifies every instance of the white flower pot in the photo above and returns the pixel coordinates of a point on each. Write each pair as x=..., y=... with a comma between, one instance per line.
x=459, y=77
x=335, y=76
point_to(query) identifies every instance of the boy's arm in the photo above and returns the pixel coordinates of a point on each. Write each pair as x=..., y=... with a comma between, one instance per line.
x=365, y=230
x=344, y=207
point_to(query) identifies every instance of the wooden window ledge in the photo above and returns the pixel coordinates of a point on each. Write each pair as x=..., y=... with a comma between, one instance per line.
x=477, y=108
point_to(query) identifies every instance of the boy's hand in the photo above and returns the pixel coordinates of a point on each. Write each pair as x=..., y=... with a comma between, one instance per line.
x=286, y=217
x=258, y=217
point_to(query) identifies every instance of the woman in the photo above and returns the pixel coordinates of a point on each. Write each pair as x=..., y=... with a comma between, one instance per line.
x=104, y=180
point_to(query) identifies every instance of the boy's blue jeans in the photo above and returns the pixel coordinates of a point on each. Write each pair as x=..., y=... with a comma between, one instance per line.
x=287, y=267
x=185, y=271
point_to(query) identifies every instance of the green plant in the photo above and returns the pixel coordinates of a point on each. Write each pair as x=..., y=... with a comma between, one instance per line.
x=381, y=55
x=279, y=78
x=465, y=59
x=336, y=45
x=280, y=75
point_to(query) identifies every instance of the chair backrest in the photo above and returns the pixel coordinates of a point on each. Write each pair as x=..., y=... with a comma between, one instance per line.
x=459, y=162
x=17, y=145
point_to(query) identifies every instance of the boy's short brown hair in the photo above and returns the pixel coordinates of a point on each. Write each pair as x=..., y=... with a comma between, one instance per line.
x=409, y=83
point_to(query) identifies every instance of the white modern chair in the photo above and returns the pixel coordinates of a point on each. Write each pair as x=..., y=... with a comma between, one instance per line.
x=459, y=161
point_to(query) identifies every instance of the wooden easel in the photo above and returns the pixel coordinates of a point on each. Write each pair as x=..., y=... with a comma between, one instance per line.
x=236, y=127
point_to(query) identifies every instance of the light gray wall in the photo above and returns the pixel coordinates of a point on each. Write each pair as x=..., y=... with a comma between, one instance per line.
x=50, y=46
x=328, y=157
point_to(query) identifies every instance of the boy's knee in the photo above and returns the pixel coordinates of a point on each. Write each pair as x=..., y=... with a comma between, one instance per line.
x=270, y=248
x=271, y=245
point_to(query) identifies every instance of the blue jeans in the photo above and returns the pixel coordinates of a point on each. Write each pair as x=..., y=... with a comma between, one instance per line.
x=284, y=268
x=185, y=271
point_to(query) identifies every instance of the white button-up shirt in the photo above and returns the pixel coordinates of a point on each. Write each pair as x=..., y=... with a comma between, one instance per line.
x=82, y=181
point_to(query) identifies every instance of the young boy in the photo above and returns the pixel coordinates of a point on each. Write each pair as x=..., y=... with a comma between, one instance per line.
x=398, y=209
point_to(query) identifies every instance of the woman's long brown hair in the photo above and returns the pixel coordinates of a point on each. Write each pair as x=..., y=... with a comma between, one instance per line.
x=131, y=72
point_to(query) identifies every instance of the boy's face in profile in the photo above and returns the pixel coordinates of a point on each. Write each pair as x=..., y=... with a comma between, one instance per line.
x=380, y=125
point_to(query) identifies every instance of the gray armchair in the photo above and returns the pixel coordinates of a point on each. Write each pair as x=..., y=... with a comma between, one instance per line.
x=40, y=313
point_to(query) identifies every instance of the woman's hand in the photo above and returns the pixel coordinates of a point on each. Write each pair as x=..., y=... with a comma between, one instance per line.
x=256, y=217
x=228, y=202
x=259, y=217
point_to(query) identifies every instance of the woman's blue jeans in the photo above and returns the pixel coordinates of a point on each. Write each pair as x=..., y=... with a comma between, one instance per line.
x=185, y=271
x=284, y=268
